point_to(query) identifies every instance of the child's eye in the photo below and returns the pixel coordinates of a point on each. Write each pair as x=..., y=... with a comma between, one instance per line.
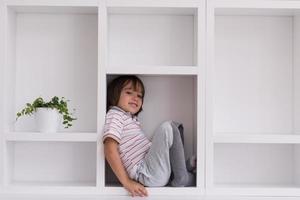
x=128, y=92
x=140, y=96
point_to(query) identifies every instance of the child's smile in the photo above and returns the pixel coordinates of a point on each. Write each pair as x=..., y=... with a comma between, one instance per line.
x=133, y=104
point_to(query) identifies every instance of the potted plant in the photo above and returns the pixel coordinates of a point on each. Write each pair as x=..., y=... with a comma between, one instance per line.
x=47, y=113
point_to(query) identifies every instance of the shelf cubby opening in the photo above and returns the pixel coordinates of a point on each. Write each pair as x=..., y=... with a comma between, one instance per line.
x=152, y=37
x=256, y=72
x=51, y=164
x=259, y=165
x=167, y=97
x=52, y=51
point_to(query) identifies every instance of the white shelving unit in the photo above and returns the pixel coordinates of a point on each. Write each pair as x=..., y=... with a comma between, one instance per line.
x=227, y=70
x=253, y=104
x=73, y=49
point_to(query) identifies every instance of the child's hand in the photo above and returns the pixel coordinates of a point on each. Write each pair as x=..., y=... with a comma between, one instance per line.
x=135, y=189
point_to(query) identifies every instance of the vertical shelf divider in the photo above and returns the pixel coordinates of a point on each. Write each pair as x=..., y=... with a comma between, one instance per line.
x=210, y=33
x=9, y=69
x=2, y=63
x=101, y=102
x=200, y=95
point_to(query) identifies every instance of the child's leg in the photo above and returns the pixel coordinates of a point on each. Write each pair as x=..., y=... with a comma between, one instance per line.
x=181, y=129
x=181, y=176
x=156, y=169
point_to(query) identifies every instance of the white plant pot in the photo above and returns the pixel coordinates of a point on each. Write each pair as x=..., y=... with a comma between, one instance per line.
x=47, y=120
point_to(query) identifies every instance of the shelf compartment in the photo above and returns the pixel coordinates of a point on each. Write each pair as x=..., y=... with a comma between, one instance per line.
x=58, y=137
x=167, y=97
x=256, y=70
x=152, y=36
x=52, y=51
x=256, y=165
x=51, y=164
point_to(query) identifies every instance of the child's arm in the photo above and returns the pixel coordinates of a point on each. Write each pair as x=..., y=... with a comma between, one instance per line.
x=113, y=157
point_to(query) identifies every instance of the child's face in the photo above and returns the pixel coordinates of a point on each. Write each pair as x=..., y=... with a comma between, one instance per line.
x=130, y=99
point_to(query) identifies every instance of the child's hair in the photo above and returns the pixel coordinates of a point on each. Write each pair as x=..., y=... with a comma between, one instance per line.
x=115, y=87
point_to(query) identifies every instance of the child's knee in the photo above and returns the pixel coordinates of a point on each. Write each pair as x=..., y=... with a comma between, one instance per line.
x=167, y=131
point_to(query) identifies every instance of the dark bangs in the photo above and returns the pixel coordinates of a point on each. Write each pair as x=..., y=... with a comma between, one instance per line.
x=136, y=85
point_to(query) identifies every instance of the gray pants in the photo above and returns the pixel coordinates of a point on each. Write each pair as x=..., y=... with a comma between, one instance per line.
x=155, y=170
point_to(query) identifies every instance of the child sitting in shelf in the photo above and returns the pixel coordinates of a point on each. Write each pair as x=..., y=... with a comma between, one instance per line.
x=135, y=160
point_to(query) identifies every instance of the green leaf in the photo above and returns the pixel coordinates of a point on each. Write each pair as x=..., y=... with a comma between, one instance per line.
x=60, y=104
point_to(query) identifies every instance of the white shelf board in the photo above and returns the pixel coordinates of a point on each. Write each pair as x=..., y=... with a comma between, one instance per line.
x=261, y=8
x=254, y=185
x=154, y=3
x=37, y=188
x=151, y=11
x=257, y=4
x=124, y=197
x=153, y=70
x=254, y=189
x=55, y=137
x=158, y=190
x=255, y=138
x=55, y=9
x=53, y=184
x=51, y=3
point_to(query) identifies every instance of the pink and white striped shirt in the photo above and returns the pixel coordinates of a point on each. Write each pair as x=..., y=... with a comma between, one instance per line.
x=126, y=130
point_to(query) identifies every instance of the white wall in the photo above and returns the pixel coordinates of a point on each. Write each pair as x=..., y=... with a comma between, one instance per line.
x=254, y=74
x=171, y=98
